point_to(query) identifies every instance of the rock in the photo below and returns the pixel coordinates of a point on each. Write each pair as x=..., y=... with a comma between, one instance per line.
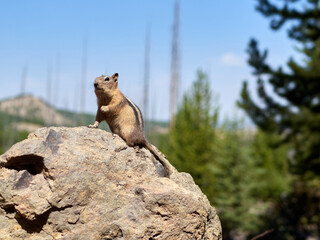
x=87, y=184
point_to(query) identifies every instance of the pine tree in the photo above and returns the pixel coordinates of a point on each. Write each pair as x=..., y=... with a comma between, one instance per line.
x=235, y=177
x=298, y=116
x=191, y=140
x=250, y=176
x=237, y=169
x=293, y=109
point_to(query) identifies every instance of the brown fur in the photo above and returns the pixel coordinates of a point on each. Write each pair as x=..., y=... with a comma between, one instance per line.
x=122, y=115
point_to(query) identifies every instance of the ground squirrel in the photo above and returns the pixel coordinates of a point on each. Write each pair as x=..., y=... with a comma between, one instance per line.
x=123, y=116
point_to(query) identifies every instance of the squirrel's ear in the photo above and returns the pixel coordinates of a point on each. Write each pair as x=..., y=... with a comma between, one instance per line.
x=115, y=76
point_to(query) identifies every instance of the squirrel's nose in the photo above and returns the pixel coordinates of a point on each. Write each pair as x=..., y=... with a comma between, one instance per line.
x=95, y=84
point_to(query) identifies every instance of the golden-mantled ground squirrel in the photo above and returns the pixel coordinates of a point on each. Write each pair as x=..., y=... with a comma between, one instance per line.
x=123, y=116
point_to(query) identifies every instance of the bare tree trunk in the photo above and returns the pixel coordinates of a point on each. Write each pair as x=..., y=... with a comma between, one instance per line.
x=83, y=80
x=48, y=119
x=146, y=79
x=174, y=65
x=24, y=79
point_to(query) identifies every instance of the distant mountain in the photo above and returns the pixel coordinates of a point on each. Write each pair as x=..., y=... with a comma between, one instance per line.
x=30, y=108
x=27, y=112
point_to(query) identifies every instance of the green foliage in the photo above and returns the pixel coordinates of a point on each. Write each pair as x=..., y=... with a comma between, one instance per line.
x=157, y=133
x=272, y=168
x=191, y=141
x=235, y=178
x=78, y=119
x=240, y=171
x=296, y=117
x=302, y=12
x=8, y=134
x=250, y=177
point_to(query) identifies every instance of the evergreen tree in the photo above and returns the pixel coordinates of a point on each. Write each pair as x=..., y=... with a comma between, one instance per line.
x=224, y=162
x=192, y=139
x=271, y=168
x=296, y=117
x=234, y=179
x=250, y=175
x=238, y=170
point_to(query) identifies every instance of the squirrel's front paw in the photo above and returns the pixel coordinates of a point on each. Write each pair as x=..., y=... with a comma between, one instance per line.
x=95, y=125
x=104, y=108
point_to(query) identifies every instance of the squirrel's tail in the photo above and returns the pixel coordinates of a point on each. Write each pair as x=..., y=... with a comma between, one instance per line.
x=160, y=157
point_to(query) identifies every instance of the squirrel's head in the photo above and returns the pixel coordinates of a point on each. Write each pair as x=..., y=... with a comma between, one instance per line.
x=106, y=84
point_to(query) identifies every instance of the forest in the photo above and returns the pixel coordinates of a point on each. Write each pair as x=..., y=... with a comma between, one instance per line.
x=263, y=181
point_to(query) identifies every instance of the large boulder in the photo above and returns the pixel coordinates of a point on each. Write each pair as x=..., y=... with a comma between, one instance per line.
x=80, y=183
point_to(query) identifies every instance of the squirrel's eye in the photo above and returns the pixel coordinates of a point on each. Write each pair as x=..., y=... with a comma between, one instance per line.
x=107, y=79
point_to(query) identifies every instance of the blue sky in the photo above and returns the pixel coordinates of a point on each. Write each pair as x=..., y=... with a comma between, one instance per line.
x=49, y=35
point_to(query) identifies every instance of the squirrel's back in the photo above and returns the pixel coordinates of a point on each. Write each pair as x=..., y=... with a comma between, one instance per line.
x=126, y=121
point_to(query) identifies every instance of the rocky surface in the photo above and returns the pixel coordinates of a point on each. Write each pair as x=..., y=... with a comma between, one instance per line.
x=81, y=183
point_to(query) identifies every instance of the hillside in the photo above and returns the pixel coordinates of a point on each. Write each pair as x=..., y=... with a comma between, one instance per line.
x=29, y=112
x=23, y=114
x=31, y=109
